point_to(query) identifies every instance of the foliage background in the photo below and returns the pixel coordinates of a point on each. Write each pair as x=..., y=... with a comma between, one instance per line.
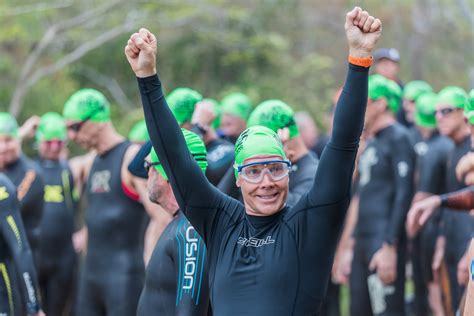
x=292, y=50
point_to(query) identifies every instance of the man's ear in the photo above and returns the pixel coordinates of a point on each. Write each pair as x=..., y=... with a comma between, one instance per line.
x=238, y=182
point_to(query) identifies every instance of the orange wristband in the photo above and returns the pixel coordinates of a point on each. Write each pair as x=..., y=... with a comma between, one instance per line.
x=363, y=62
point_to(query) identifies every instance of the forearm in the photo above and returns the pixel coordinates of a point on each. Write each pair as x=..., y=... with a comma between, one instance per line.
x=186, y=178
x=462, y=200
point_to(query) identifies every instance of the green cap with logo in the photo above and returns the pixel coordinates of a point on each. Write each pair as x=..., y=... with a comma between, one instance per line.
x=87, y=104
x=381, y=87
x=274, y=114
x=139, y=133
x=8, y=125
x=51, y=127
x=237, y=104
x=454, y=96
x=181, y=102
x=414, y=89
x=425, y=110
x=469, y=109
x=196, y=148
x=257, y=140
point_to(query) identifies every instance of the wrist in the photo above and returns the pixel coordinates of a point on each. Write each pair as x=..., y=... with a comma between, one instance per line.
x=145, y=73
x=360, y=53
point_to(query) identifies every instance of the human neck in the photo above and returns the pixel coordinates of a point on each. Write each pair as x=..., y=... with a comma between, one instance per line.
x=109, y=138
x=385, y=120
x=460, y=134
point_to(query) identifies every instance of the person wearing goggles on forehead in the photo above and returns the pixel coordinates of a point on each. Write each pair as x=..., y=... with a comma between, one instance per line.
x=26, y=176
x=57, y=256
x=265, y=258
x=113, y=272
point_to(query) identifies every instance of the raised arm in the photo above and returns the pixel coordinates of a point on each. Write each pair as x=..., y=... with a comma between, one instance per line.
x=187, y=180
x=333, y=178
x=13, y=232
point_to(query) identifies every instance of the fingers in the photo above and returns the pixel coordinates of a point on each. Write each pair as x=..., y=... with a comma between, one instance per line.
x=376, y=26
x=368, y=24
x=363, y=16
x=351, y=16
x=373, y=263
x=425, y=215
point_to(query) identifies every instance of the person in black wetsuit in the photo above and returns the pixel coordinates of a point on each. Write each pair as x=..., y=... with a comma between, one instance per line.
x=236, y=108
x=113, y=271
x=220, y=152
x=26, y=176
x=264, y=258
x=17, y=296
x=176, y=280
x=457, y=227
x=57, y=260
x=386, y=170
x=432, y=151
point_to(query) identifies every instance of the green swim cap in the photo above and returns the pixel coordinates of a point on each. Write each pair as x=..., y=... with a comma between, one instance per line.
x=257, y=140
x=87, y=104
x=381, y=87
x=196, y=148
x=425, y=110
x=237, y=104
x=8, y=125
x=469, y=109
x=454, y=96
x=139, y=133
x=415, y=88
x=274, y=114
x=181, y=102
x=51, y=126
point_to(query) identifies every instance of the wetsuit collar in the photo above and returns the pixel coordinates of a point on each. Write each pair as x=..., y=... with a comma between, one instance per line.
x=259, y=222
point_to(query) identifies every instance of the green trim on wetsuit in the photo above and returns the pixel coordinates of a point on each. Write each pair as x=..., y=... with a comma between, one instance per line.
x=243, y=248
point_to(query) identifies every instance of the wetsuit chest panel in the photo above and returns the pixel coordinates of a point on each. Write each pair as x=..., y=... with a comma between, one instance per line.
x=114, y=221
x=57, y=224
x=259, y=275
x=177, y=279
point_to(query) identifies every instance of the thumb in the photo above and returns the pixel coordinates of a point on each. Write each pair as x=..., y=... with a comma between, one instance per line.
x=373, y=263
x=140, y=43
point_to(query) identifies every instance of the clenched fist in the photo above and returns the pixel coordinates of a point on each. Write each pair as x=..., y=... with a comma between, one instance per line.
x=141, y=53
x=362, y=32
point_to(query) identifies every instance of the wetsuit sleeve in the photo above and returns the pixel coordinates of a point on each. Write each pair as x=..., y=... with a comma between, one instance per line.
x=13, y=232
x=190, y=186
x=459, y=200
x=227, y=184
x=333, y=177
x=402, y=164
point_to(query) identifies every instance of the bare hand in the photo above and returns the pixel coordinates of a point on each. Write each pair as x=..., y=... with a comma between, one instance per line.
x=79, y=240
x=419, y=213
x=465, y=166
x=463, y=269
x=362, y=32
x=28, y=129
x=204, y=113
x=384, y=261
x=438, y=255
x=342, y=267
x=141, y=53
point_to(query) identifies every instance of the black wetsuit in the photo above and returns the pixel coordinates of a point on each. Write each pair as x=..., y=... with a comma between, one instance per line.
x=18, y=283
x=301, y=179
x=385, y=191
x=57, y=260
x=114, y=271
x=26, y=176
x=432, y=158
x=271, y=265
x=220, y=156
x=457, y=226
x=176, y=277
